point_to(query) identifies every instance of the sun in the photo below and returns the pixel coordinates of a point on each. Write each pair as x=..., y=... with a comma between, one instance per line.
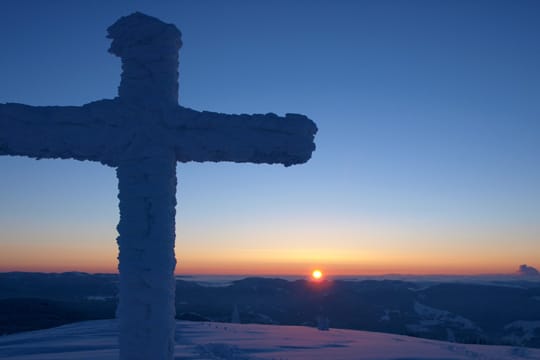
x=317, y=274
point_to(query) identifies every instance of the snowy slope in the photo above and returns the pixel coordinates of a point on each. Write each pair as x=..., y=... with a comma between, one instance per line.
x=97, y=340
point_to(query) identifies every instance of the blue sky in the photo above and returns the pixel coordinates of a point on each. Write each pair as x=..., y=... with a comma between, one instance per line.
x=427, y=152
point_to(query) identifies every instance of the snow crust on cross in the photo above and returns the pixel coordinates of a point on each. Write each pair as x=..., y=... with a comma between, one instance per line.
x=143, y=133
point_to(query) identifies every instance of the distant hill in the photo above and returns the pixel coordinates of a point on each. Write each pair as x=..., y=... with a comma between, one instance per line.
x=506, y=314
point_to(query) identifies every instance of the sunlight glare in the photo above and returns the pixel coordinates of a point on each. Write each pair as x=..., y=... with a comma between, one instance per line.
x=317, y=274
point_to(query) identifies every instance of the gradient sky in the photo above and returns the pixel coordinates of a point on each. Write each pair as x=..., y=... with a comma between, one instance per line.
x=427, y=155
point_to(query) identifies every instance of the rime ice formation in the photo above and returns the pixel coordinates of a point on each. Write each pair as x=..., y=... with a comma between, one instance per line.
x=143, y=133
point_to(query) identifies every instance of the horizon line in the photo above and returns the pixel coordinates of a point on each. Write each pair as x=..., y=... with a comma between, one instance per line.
x=268, y=275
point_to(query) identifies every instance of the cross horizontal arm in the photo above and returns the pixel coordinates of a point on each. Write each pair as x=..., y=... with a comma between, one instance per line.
x=209, y=136
x=66, y=132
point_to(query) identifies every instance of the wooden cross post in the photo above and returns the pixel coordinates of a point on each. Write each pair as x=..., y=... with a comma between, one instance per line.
x=143, y=133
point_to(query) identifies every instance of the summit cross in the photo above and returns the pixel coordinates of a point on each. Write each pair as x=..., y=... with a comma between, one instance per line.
x=142, y=133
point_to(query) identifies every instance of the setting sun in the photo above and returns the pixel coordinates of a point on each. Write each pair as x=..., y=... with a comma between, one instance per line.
x=317, y=274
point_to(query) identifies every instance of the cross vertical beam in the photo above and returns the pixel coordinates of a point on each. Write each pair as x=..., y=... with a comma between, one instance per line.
x=146, y=175
x=147, y=194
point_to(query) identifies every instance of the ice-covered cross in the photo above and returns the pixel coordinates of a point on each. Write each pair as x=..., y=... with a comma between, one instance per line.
x=143, y=133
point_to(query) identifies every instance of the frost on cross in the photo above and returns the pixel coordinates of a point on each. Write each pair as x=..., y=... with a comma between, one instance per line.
x=143, y=133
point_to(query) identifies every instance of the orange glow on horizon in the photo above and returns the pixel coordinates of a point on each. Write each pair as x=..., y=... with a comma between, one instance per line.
x=366, y=248
x=230, y=269
x=96, y=258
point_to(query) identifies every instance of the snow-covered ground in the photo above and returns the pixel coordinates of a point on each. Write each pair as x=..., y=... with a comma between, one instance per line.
x=97, y=340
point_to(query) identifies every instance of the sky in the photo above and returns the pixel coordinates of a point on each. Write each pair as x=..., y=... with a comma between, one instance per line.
x=427, y=151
